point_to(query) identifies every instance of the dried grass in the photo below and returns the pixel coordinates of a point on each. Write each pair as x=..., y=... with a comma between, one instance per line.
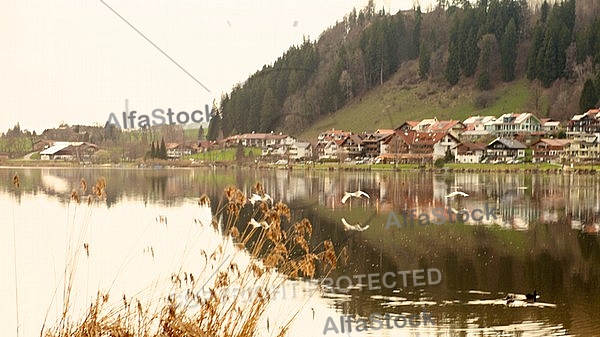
x=277, y=254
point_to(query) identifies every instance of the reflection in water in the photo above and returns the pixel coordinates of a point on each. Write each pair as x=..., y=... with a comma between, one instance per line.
x=545, y=236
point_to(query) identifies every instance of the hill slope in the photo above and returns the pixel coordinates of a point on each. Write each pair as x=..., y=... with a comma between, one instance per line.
x=394, y=102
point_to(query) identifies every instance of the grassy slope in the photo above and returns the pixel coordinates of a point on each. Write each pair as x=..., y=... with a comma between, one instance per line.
x=393, y=103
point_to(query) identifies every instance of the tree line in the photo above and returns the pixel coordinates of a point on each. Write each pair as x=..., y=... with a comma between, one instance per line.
x=459, y=39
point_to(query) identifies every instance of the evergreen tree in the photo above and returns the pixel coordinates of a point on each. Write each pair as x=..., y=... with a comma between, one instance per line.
x=152, y=151
x=483, y=79
x=452, y=71
x=416, y=36
x=214, y=127
x=200, y=133
x=534, y=49
x=269, y=110
x=544, y=9
x=424, y=62
x=163, y=149
x=589, y=96
x=509, y=51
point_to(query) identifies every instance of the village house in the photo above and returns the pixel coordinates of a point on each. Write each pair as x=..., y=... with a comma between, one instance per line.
x=453, y=127
x=468, y=152
x=301, y=151
x=504, y=149
x=277, y=149
x=584, y=148
x=331, y=150
x=352, y=146
x=513, y=124
x=178, y=150
x=261, y=140
x=549, y=150
x=425, y=124
x=475, y=127
x=584, y=123
x=416, y=147
x=550, y=126
x=332, y=134
x=80, y=151
x=371, y=144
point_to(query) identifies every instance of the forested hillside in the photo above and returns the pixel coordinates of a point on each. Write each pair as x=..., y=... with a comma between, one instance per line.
x=478, y=46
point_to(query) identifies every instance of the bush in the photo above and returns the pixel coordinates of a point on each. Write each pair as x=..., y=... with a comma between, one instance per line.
x=484, y=100
x=439, y=163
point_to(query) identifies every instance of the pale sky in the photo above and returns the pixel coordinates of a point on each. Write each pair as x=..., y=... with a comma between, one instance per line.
x=76, y=61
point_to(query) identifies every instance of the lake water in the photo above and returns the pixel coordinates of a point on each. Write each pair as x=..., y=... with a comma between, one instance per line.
x=544, y=237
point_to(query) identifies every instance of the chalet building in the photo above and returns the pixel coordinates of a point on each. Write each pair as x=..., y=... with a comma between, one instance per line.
x=425, y=124
x=178, y=150
x=584, y=148
x=394, y=144
x=513, y=124
x=80, y=151
x=319, y=149
x=469, y=152
x=550, y=126
x=262, y=140
x=453, y=127
x=478, y=122
x=447, y=143
x=417, y=147
x=371, y=144
x=332, y=134
x=351, y=146
x=504, y=149
x=331, y=149
x=550, y=150
x=3, y=156
x=475, y=127
x=278, y=150
x=585, y=123
x=301, y=151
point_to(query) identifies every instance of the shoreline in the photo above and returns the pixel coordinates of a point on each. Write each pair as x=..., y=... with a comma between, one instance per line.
x=448, y=168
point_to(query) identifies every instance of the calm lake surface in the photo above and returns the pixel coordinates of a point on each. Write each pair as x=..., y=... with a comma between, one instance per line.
x=545, y=237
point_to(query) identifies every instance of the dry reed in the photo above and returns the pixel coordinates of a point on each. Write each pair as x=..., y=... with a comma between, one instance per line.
x=279, y=252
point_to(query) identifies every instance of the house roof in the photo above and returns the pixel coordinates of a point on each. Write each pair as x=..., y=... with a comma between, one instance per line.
x=427, y=121
x=551, y=123
x=444, y=125
x=470, y=146
x=58, y=146
x=476, y=133
x=256, y=136
x=518, y=118
x=509, y=143
x=417, y=138
x=302, y=145
x=479, y=119
x=554, y=142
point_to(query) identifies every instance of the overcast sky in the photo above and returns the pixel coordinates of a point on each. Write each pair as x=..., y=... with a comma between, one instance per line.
x=76, y=61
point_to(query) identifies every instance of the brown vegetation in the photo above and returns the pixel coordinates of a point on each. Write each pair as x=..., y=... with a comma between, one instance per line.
x=278, y=252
